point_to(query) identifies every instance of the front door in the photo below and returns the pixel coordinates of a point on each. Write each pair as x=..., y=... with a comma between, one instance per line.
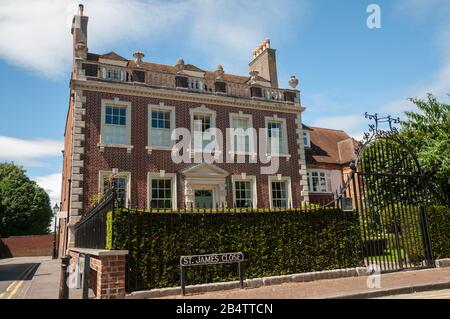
x=203, y=199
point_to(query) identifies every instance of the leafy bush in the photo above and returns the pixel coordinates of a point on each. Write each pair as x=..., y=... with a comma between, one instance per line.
x=273, y=243
x=439, y=226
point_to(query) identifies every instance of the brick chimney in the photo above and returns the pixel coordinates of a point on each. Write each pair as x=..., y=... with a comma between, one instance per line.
x=79, y=33
x=265, y=62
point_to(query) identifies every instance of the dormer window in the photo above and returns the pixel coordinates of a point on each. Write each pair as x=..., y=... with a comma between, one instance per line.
x=114, y=74
x=90, y=69
x=139, y=76
x=220, y=87
x=306, y=140
x=181, y=82
x=290, y=96
x=256, y=91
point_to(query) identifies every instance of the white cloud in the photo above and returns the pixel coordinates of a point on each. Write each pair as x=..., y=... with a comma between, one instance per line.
x=28, y=152
x=36, y=34
x=52, y=185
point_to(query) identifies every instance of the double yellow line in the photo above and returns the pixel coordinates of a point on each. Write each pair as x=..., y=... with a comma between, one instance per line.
x=442, y=295
x=14, y=287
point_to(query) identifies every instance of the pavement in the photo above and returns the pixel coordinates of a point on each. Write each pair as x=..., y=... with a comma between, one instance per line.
x=352, y=287
x=32, y=278
x=38, y=278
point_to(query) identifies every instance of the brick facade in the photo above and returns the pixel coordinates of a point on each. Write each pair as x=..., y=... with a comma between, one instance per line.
x=99, y=77
x=139, y=162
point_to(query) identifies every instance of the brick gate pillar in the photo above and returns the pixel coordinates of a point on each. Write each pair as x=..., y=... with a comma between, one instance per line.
x=107, y=271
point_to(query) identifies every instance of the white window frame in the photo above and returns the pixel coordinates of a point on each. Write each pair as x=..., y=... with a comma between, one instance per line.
x=202, y=110
x=282, y=121
x=162, y=175
x=246, y=178
x=327, y=181
x=308, y=139
x=115, y=103
x=280, y=178
x=252, y=138
x=104, y=174
x=123, y=74
x=164, y=108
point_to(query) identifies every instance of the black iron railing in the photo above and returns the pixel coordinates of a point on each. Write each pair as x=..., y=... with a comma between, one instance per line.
x=91, y=230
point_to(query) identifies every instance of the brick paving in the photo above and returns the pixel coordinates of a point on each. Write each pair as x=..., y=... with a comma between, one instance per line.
x=330, y=287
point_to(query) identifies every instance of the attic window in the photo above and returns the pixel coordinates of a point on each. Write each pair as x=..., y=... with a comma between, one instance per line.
x=115, y=74
x=306, y=140
x=256, y=91
x=139, y=76
x=181, y=81
x=290, y=96
x=90, y=69
x=221, y=87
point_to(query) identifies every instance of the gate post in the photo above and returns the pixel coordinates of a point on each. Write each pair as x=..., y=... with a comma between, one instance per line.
x=426, y=237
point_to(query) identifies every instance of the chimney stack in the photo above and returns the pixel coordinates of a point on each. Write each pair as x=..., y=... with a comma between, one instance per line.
x=265, y=62
x=79, y=33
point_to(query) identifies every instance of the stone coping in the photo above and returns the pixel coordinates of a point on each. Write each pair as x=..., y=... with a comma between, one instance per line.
x=99, y=252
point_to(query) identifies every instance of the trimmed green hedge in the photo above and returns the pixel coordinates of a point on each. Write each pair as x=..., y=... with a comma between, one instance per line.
x=273, y=243
x=439, y=226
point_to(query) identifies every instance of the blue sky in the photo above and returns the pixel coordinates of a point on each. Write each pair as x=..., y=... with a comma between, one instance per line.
x=344, y=67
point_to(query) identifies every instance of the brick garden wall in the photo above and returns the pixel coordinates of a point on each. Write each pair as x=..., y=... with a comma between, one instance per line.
x=22, y=246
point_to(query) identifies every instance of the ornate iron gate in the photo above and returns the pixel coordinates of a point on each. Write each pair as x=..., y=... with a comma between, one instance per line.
x=388, y=190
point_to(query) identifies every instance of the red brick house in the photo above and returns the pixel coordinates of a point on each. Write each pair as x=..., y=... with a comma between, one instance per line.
x=328, y=155
x=122, y=112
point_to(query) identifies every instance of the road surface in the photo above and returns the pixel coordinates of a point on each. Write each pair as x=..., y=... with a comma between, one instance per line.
x=436, y=294
x=16, y=275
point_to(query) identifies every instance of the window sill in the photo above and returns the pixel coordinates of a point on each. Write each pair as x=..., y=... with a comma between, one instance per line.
x=320, y=193
x=287, y=156
x=150, y=149
x=252, y=154
x=103, y=146
x=215, y=153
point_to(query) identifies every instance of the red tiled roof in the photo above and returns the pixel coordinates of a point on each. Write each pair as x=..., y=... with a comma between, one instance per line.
x=113, y=56
x=329, y=146
x=165, y=68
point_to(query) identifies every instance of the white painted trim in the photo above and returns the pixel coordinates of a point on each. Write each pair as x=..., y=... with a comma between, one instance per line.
x=158, y=175
x=308, y=138
x=160, y=107
x=201, y=110
x=112, y=62
x=115, y=103
x=281, y=120
x=252, y=139
x=161, y=93
x=280, y=179
x=247, y=178
x=102, y=174
x=327, y=178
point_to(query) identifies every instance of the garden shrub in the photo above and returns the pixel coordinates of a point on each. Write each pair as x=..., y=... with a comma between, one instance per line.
x=439, y=227
x=273, y=243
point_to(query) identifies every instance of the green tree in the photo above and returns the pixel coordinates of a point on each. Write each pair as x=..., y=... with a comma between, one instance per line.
x=428, y=132
x=24, y=206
